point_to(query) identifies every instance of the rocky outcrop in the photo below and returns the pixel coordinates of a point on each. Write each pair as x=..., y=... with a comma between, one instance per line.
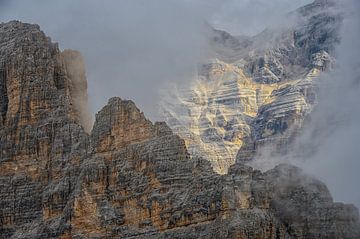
x=258, y=91
x=311, y=201
x=215, y=117
x=129, y=178
x=41, y=140
x=120, y=123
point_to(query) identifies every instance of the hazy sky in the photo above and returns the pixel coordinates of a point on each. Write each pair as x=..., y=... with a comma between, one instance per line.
x=134, y=47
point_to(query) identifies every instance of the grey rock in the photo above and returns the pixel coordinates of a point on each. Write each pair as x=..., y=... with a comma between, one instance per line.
x=130, y=178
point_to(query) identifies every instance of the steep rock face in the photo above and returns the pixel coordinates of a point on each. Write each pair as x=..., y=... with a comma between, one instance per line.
x=305, y=56
x=215, y=117
x=119, y=124
x=258, y=91
x=150, y=187
x=39, y=136
x=316, y=215
x=130, y=178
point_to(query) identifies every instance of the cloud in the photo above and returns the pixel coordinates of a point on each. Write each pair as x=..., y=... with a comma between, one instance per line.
x=334, y=125
x=329, y=145
x=133, y=48
x=249, y=17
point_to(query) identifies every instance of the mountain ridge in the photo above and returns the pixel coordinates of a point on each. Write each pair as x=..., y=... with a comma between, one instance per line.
x=59, y=182
x=256, y=93
x=129, y=177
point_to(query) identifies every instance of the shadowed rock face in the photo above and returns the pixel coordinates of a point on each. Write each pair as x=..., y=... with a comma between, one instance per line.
x=129, y=178
x=257, y=91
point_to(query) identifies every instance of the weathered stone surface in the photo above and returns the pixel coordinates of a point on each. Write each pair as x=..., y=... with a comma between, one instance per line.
x=119, y=124
x=41, y=141
x=215, y=117
x=316, y=215
x=257, y=91
x=129, y=178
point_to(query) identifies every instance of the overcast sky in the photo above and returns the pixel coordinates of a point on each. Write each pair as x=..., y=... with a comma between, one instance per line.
x=133, y=48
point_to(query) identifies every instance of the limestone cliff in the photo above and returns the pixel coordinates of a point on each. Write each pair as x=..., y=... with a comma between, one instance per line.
x=129, y=178
x=257, y=91
x=42, y=143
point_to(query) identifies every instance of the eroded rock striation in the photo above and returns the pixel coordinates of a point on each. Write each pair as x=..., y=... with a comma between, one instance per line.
x=42, y=143
x=128, y=177
x=257, y=91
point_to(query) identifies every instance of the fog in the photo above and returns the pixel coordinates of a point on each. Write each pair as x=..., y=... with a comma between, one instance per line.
x=329, y=146
x=334, y=125
x=249, y=17
x=133, y=48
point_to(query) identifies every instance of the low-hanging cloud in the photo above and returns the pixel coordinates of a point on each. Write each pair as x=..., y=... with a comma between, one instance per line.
x=329, y=145
x=249, y=17
x=334, y=126
x=133, y=48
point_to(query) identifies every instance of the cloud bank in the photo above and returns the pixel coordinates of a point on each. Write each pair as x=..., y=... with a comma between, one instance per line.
x=334, y=125
x=329, y=147
x=133, y=48
x=249, y=17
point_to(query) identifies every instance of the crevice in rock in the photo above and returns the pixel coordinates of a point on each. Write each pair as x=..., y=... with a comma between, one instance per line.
x=59, y=82
x=4, y=101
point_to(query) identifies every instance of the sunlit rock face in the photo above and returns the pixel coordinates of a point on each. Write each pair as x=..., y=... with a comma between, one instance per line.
x=215, y=117
x=130, y=178
x=257, y=91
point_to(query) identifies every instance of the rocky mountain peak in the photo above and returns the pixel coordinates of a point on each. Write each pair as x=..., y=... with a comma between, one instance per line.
x=131, y=178
x=37, y=79
x=258, y=90
x=119, y=124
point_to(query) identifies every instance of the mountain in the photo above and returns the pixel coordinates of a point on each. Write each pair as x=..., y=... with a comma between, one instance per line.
x=257, y=91
x=129, y=177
